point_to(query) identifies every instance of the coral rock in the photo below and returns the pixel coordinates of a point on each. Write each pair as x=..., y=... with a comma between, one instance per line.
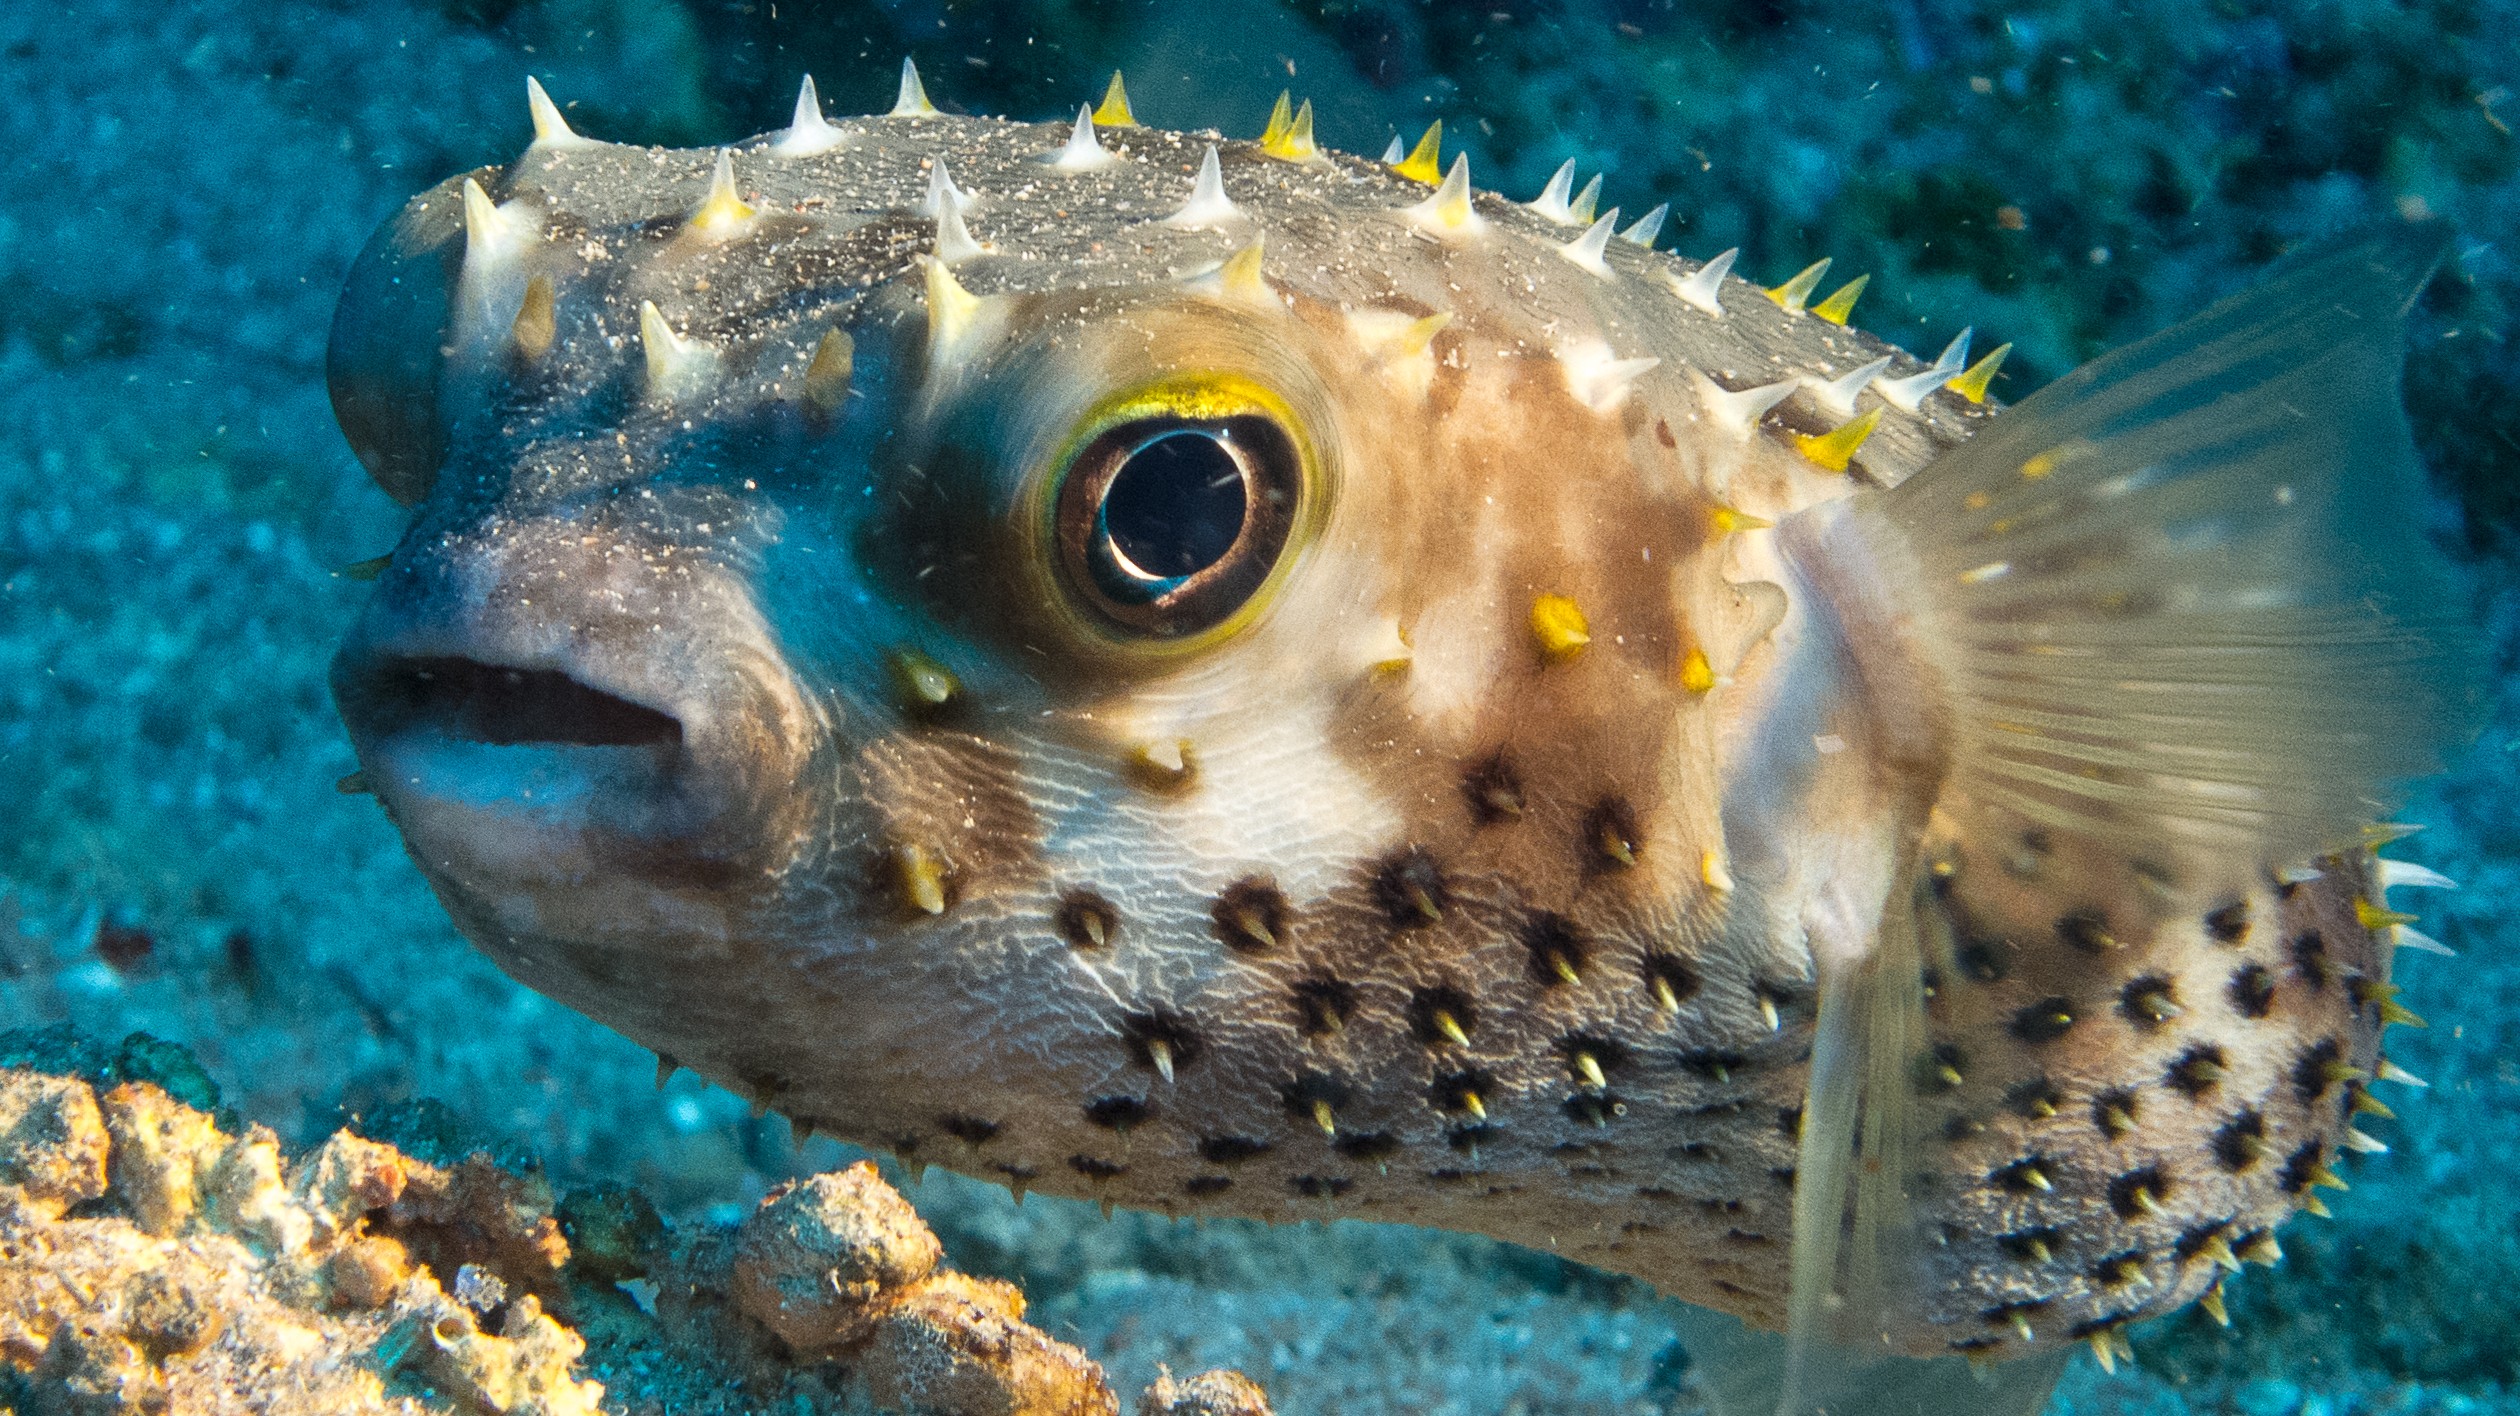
x=1217, y=1393
x=53, y=1143
x=161, y=1149
x=811, y=1262
x=957, y=1346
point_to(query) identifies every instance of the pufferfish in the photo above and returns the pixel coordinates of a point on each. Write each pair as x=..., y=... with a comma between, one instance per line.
x=1228, y=678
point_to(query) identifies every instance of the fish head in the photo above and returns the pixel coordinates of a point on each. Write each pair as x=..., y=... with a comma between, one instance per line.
x=902, y=688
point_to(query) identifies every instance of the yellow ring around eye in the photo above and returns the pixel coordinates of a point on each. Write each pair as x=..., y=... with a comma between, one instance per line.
x=1192, y=399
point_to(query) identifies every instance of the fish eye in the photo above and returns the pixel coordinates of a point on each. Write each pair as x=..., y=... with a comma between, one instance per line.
x=1172, y=518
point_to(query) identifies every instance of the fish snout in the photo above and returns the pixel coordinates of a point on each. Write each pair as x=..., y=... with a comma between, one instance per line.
x=542, y=711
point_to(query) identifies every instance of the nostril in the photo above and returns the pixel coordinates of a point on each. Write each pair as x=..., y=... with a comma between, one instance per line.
x=508, y=707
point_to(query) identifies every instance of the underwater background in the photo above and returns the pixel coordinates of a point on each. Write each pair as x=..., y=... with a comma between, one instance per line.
x=183, y=185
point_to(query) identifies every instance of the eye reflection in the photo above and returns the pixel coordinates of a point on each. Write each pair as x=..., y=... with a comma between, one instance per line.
x=1166, y=526
x=1174, y=508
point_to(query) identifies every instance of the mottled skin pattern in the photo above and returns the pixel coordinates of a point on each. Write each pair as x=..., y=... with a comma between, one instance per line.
x=1579, y=861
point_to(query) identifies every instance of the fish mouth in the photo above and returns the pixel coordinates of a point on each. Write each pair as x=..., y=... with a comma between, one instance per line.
x=538, y=759
x=502, y=705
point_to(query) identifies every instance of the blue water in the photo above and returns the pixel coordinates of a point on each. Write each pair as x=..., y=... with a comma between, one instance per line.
x=184, y=186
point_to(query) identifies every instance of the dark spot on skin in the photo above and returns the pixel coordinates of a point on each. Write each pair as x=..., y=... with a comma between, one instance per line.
x=2118, y=1270
x=1429, y=1007
x=1662, y=434
x=1656, y=1192
x=2301, y=1165
x=1453, y=1090
x=1410, y=888
x=1494, y=792
x=1204, y=1185
x=1611, y=838
x=1087, y=920
x=2110, y=1322
x=1367, y=1146
x=1117, y=1112
x=2148, y=1002
x=1470, y=1138
x=1017, y=1173
x=1556, y=950
x=2037, y=1098
x=2310, y=959
x=1321, y=1187
x=1672, y=972
x=1251, y=915
x=2230, y=924
x=2044, y=1021
x=1607, y=1055
x=1961, y=1127
x=1745, y=1237
x=1323, y=1006
x=1789, y=1121
x=2087, y=931
x=2192, y=1241
x=2114, y=1112
x=2253, y=990
x=2129, y=1192
x=2001, y=1314
x=2197, y=1072
x=2032, y=1246
x=2241, y=1143
x=2317, y=1069
x=1144, y=1033
x=970, y=1130
x=1300, y=1094
x=1096, y=1168
x=1942, y=1070
x=2022, y=1177
x=1986, y=960
x=1713, y=1064
x=1230, y=1150
x=1594, y=1108
x=1975, y=1344
x=1694, y=1150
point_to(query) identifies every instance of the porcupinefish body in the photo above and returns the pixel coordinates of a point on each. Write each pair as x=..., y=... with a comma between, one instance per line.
x=1227, y=678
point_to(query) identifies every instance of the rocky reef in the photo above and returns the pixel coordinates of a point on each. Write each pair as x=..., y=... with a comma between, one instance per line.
x=154, y=1259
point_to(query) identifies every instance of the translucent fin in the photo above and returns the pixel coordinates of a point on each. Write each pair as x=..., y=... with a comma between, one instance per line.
x=1741, y=1371
x=2179, y=603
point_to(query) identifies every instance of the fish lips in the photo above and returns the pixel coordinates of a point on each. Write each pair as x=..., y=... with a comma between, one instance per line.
x=534, y=767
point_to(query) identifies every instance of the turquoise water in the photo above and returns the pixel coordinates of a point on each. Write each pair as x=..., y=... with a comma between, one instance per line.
x=186, y=186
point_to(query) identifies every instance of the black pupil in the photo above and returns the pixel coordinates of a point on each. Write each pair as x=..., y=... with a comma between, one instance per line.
x=1176, y=506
